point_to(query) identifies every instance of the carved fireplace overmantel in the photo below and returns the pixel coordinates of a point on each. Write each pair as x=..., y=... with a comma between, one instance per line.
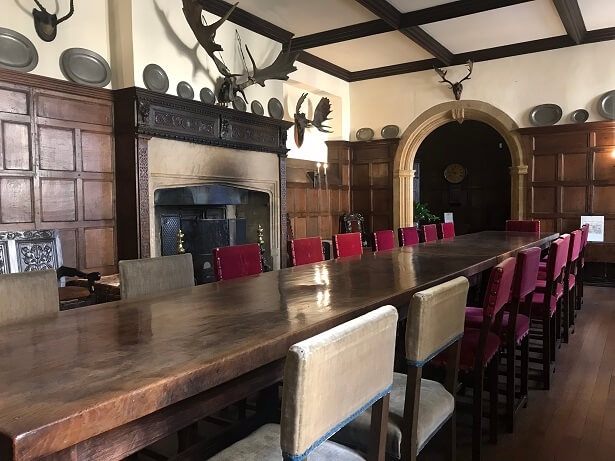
x=141, y=114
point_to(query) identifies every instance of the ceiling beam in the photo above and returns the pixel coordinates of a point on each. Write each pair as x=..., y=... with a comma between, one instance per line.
x=452, y=10
x=600, y=35
x=377, y=26
x=396, y=69
x=384, y=10
x=323, y=65
x=570, y=14
x=428, y=43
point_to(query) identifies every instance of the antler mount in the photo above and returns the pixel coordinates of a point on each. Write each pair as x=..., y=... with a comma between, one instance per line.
x=456, y=87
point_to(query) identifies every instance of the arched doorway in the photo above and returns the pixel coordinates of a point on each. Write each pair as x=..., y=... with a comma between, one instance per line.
x=463, y=168
x=438, y=115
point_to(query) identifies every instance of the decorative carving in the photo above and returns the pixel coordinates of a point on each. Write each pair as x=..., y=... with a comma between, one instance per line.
x=144, y=111
x=4, y=261
x=458, y=114
x=183, y=122
x=143, y=178
x=30, y=234
x=224, y=125
x=37, y=255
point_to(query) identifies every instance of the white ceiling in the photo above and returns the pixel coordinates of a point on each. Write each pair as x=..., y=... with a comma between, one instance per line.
x=508, y=25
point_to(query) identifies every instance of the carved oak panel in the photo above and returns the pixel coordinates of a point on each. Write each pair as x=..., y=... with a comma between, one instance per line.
x=4, y=258
x=37, y=255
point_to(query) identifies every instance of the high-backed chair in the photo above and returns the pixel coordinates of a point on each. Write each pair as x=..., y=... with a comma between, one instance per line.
x=354, y=222
x=584, y=235
x=236, y=261
x=430, y=233
x=523, y=225
x=419, y=408
x=28, y=295
x=305, y=251
x=140, y=277
x=571, y=275
x=407, y=236
x=383, y=240
x=447, y=230
x=328, y=380
x=347, y=245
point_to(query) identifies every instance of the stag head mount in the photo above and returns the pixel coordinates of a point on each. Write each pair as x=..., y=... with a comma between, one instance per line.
x=456, y=87
x=46, y=24
x=321, y=115
x=233, y=83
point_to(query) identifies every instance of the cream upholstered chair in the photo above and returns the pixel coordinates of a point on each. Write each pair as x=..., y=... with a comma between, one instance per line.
x=140, y=277
x=420, y=407
x=328, y=380
x=27, y=295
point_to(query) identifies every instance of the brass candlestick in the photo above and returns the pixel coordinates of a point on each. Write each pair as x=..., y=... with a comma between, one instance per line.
x=261, y=244
x=180, y=243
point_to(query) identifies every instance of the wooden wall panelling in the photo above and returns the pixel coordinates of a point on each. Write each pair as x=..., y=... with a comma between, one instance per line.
x=582, y=179
x=57, y=167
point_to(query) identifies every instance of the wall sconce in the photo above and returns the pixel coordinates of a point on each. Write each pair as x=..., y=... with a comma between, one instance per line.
x=316, y=176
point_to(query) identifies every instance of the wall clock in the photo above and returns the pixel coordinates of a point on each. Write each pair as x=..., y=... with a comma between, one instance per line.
x=455, y=173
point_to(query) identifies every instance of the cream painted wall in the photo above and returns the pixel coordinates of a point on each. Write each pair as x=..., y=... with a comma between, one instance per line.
x=87, y=28
x=574, y=78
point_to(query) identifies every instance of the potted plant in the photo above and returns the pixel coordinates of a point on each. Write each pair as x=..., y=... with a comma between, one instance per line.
x=422, y=215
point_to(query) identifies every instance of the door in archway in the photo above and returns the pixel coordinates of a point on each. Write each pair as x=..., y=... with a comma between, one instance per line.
x=465, y=170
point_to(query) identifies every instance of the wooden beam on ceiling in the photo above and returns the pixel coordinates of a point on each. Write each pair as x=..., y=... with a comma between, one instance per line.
x=396, y=69
x=354, y=31
x=323, y=65
x=384, y=10
x=452, y=10
x=428, y=43
x=600, y=35
x=570, y=14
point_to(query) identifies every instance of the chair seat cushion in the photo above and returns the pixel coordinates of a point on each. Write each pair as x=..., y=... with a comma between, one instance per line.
x=541, y=285
x=436, y=405
x=72, y=292
x=522, y=326
x=538, y=301
x=469, y=347
x=264, y=444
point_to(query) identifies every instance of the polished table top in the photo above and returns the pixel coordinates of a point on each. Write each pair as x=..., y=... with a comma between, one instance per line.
x=69, y=377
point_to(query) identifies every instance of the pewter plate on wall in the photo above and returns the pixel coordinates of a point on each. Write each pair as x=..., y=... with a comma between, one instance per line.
x=207, y=95
x=275, y=108
x=16, y=51
x=155, y=78
x=390, y=131
x=84, y=66
x=545, y=115
x=239, y=104
x=606, y=105
x=579, y=116
x=257, y=108
x=365, y=134
x=184, y=90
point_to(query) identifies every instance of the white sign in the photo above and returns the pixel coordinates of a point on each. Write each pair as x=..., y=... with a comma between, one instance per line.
x=596, y=228
x=448, y=217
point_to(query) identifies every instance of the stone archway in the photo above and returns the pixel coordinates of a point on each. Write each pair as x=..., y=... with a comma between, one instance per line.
x=424, y=124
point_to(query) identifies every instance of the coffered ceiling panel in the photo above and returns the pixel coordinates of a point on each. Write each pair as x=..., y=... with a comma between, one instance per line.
x=597, y=14
x=513, y=24
x=413, y=5
x=374, y=51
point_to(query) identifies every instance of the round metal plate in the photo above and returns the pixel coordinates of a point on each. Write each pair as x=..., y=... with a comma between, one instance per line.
x=155, y=78
x=606, y=105
x=275, y=108
x=390, y=131
x=84, y=66
x=257, y=108
x=579, y=116
x=184, y=90
x=207, y=95
x=239, y=104
x=16, y=51
x=365, y=134
x=545, y=115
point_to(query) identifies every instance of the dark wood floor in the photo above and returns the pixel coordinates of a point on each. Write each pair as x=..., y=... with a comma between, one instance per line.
x=575, y=420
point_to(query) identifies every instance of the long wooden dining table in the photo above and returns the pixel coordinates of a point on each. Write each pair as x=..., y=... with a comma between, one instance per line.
x=102, y=382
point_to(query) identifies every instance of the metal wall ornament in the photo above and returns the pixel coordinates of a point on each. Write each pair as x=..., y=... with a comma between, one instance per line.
x=46, y=24
x=234, y=83
x=456, y=87
x=321, y=115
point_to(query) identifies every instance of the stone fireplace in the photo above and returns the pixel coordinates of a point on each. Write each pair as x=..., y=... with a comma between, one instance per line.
x=164, y=142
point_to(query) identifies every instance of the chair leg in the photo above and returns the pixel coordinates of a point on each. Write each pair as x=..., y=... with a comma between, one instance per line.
x=554, y=325
x=449, y=433
x=493, y=398
x=546, y=352
x=525, y=359
x=477, y=414
x=566, y=317
x=510, y=386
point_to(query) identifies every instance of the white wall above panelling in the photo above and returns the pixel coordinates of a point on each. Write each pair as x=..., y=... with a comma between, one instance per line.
x=597, y=14
x=87, y=28
x=513, y=24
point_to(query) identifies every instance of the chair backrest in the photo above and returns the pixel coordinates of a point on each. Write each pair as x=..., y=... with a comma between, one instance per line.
x=332, y=377
x=407, y=236
x=447, y=230
x=352, y=222
x=28, y=251
x=347, y=245
x=28, y=295
x=585, y=231
x=498, y=288
x=526, y=272
x=558, y=255
x=576, y=241
x=383, y=240
x=435, y=320
x=523, y=225
x=140, y=277
x=305, y=251
x=236, y=261
x=430, y=233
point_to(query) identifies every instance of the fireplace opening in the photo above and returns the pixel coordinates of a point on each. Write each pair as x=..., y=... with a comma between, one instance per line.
x=211, y=216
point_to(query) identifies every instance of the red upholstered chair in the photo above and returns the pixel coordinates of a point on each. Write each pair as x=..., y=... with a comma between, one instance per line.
x=480, y=350
x=305, y=251
x=407, y=236
x=447, y=230
x=383, y=240
x=581, y=267
x=430, y=233
x=347, y=245
x=546, y=302
x=237, y=261
x=529, y=225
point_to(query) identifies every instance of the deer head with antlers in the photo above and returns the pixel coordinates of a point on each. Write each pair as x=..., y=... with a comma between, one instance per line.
x=456, y=87
x=234, y=83
x=45, y=24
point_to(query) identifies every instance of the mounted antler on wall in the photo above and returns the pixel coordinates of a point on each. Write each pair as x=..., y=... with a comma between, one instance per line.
x=456, y=87
x=234, y=83
x=45, y=24
x=321, y=115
